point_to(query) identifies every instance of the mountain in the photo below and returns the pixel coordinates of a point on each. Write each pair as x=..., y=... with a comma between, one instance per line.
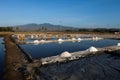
x=42, y=27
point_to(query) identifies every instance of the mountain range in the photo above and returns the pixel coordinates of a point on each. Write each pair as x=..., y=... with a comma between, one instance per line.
x=43, y=27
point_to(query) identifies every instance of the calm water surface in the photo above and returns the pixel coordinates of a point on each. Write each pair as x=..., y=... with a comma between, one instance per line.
x=51, y=49
x=1, y=58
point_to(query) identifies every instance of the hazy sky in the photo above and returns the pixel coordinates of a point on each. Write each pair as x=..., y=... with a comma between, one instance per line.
x=78, y=13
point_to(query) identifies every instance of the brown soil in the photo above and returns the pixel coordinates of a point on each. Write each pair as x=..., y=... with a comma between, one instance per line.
x=13, y=60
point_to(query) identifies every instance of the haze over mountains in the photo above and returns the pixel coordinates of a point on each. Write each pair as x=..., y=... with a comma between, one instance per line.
x=51, y=27
x=43, y=27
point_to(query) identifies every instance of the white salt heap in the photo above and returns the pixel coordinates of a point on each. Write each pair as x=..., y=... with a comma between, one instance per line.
x=92, y=49
x=32, y=36
x=95, y=38
x=118, y=44
x=42, y=40
x=79, y=39
x=65, y=54
x=73, y=39
x=60, y=40
x=35, y=41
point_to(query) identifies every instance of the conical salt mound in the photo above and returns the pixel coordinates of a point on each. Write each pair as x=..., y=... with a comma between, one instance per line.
x=92, y=49
x=65, y=54
x=118, y=44
x=42, y=40
x=73, y=39
x=79, y=39
x=32, y=36
x=35, y=41
x=60, y=40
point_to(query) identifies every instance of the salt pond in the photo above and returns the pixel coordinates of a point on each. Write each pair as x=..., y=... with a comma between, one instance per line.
x=51, y=49
x=1, y=57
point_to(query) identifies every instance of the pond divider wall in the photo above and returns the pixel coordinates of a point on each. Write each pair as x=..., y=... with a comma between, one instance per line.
x=13, y=60
x=74, y=55
x=28, y=56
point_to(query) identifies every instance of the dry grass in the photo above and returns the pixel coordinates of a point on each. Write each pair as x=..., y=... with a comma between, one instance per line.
x=10, y=33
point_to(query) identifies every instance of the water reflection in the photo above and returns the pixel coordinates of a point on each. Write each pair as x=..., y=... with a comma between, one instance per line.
x=60, y=42
x=1, y=57
x=51, y=49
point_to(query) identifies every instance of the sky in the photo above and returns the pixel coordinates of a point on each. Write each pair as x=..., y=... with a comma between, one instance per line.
x=77, y=13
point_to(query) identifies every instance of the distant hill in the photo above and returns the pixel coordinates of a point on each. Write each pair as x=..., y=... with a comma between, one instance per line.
x=43, y=27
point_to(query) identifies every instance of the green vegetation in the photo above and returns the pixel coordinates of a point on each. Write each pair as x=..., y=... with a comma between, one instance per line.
x=41, y=29
x=101, y=30
x=6, y=29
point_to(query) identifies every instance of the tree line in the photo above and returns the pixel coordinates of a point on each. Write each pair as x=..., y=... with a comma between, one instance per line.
x=101, y=30
x=6, y=29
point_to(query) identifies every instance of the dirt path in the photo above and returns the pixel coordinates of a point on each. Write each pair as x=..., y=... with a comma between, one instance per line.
x=13, y=60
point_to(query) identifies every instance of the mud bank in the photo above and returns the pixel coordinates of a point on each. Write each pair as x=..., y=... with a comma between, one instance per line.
x=74, y=55
x=13, y=60
x=103, y=66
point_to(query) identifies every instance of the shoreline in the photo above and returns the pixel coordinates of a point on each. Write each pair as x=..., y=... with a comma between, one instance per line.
x=13, y=60
x=74, y=55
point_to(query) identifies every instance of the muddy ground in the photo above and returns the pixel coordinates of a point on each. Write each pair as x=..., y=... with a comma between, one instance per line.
x=13, y=60
x=105, y=66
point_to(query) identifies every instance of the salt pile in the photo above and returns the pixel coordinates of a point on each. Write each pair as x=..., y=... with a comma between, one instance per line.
x=95, y=38
x=73, y=39
x=35, y=41
x=42, y=40
x=65, y=54
x=60, y=40
x=118, y=44
x=92, y=49
x=32, y=36
x=79, y=39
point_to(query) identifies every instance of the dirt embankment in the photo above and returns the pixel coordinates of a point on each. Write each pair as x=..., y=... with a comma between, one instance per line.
x=97, y=34
x=13, y=60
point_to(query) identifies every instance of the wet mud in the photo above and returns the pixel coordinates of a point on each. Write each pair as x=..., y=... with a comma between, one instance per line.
x=105, y=66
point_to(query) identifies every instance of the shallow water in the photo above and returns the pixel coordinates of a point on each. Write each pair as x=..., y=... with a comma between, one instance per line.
x=51, y=49
x=96, y=67
x=1, y=57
